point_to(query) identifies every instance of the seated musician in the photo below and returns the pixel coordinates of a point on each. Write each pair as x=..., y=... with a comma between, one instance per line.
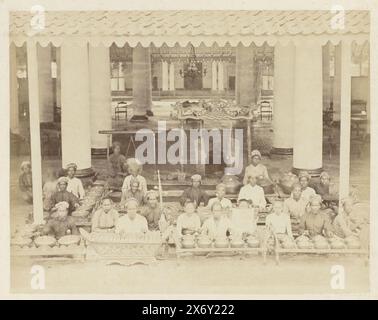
x=315, y=221
x=218, y=225
x=295, y=206
x=251, y=191
x=243, y=218
x=307, y=192
x=188, y=222
x=347, y=223
x=75, y=186
x=105, y=218
x=60, y=224
x=134, y=168
x=256, y=169
x=220, y=193
x=134, y=192
x=116, y=166
x=63, y=195
x=50, y=186
x=151, y=211
x=195, y=192
x=132, y=222
x=323, y=188
x=25, y=182
x=279, y=222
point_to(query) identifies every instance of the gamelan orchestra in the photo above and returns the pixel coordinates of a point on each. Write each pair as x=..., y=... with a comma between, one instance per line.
x=307, y=216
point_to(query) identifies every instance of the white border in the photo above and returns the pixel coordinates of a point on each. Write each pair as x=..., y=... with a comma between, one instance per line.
x=177, y=5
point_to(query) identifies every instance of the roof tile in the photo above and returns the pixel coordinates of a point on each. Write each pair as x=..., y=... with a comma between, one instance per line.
x=189, y=23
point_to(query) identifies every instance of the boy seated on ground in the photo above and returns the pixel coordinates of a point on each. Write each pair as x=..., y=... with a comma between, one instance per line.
x=60, y=224
x=188, y=222
x=105, y=218
x=132, y=222
x=218, y=225
x=295, y=206
x=278, y=222
x=244, y=218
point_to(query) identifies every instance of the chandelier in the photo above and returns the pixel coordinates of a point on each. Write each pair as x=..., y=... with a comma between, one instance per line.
x=194, y=66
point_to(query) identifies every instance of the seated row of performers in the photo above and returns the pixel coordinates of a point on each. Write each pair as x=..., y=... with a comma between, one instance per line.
x=240, y=220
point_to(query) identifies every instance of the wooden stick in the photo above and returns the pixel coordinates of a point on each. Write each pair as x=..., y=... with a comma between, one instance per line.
x=160, y=191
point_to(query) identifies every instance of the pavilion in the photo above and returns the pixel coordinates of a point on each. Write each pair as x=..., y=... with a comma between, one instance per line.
x=84, y=39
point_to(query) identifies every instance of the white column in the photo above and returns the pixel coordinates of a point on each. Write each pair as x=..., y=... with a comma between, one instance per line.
x=326, y=78
x=245, y=93
x=172, y=76
x=337, y=84
x=283, y=120
x=142, y=86
x=165, y=76
x=58, y=82
x=346, y=95
x=35, y=137
x=46, y=109
x=100, y=96
x=308, y=108
x=220, y=76
x=214, y=76
x=76, y=131
x=14, y=108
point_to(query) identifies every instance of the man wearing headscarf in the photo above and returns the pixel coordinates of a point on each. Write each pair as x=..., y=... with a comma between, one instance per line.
x=304, y=180
x=25, y=182
x=256, y=169
x=195, y=193
x=63, y=195
x=220, y=197
x=105, y=218
x=75, y=186
x=116, y=164
x=133, y=193
x=315, y=221
x=60, y=224
x=134, y=168
x=151, y=211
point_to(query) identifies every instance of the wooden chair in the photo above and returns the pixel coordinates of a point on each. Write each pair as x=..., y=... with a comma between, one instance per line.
x=266, y=110
x=121, y=108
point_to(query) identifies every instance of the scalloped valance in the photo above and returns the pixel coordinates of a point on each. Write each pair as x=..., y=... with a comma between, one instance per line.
x=183, y=27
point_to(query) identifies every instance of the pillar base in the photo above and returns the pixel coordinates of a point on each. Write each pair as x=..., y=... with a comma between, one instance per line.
x=282, y=151
x=99, y=152
x=82, y=173
x=136, y=118
x=312, y=172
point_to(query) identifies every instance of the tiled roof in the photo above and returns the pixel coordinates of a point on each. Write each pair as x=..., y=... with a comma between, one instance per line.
x=189, y=23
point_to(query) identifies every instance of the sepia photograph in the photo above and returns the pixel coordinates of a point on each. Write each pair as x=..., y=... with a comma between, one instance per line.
x=189, y=152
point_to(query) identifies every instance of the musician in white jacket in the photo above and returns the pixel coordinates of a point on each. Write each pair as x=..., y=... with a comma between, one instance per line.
x=253, y=192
